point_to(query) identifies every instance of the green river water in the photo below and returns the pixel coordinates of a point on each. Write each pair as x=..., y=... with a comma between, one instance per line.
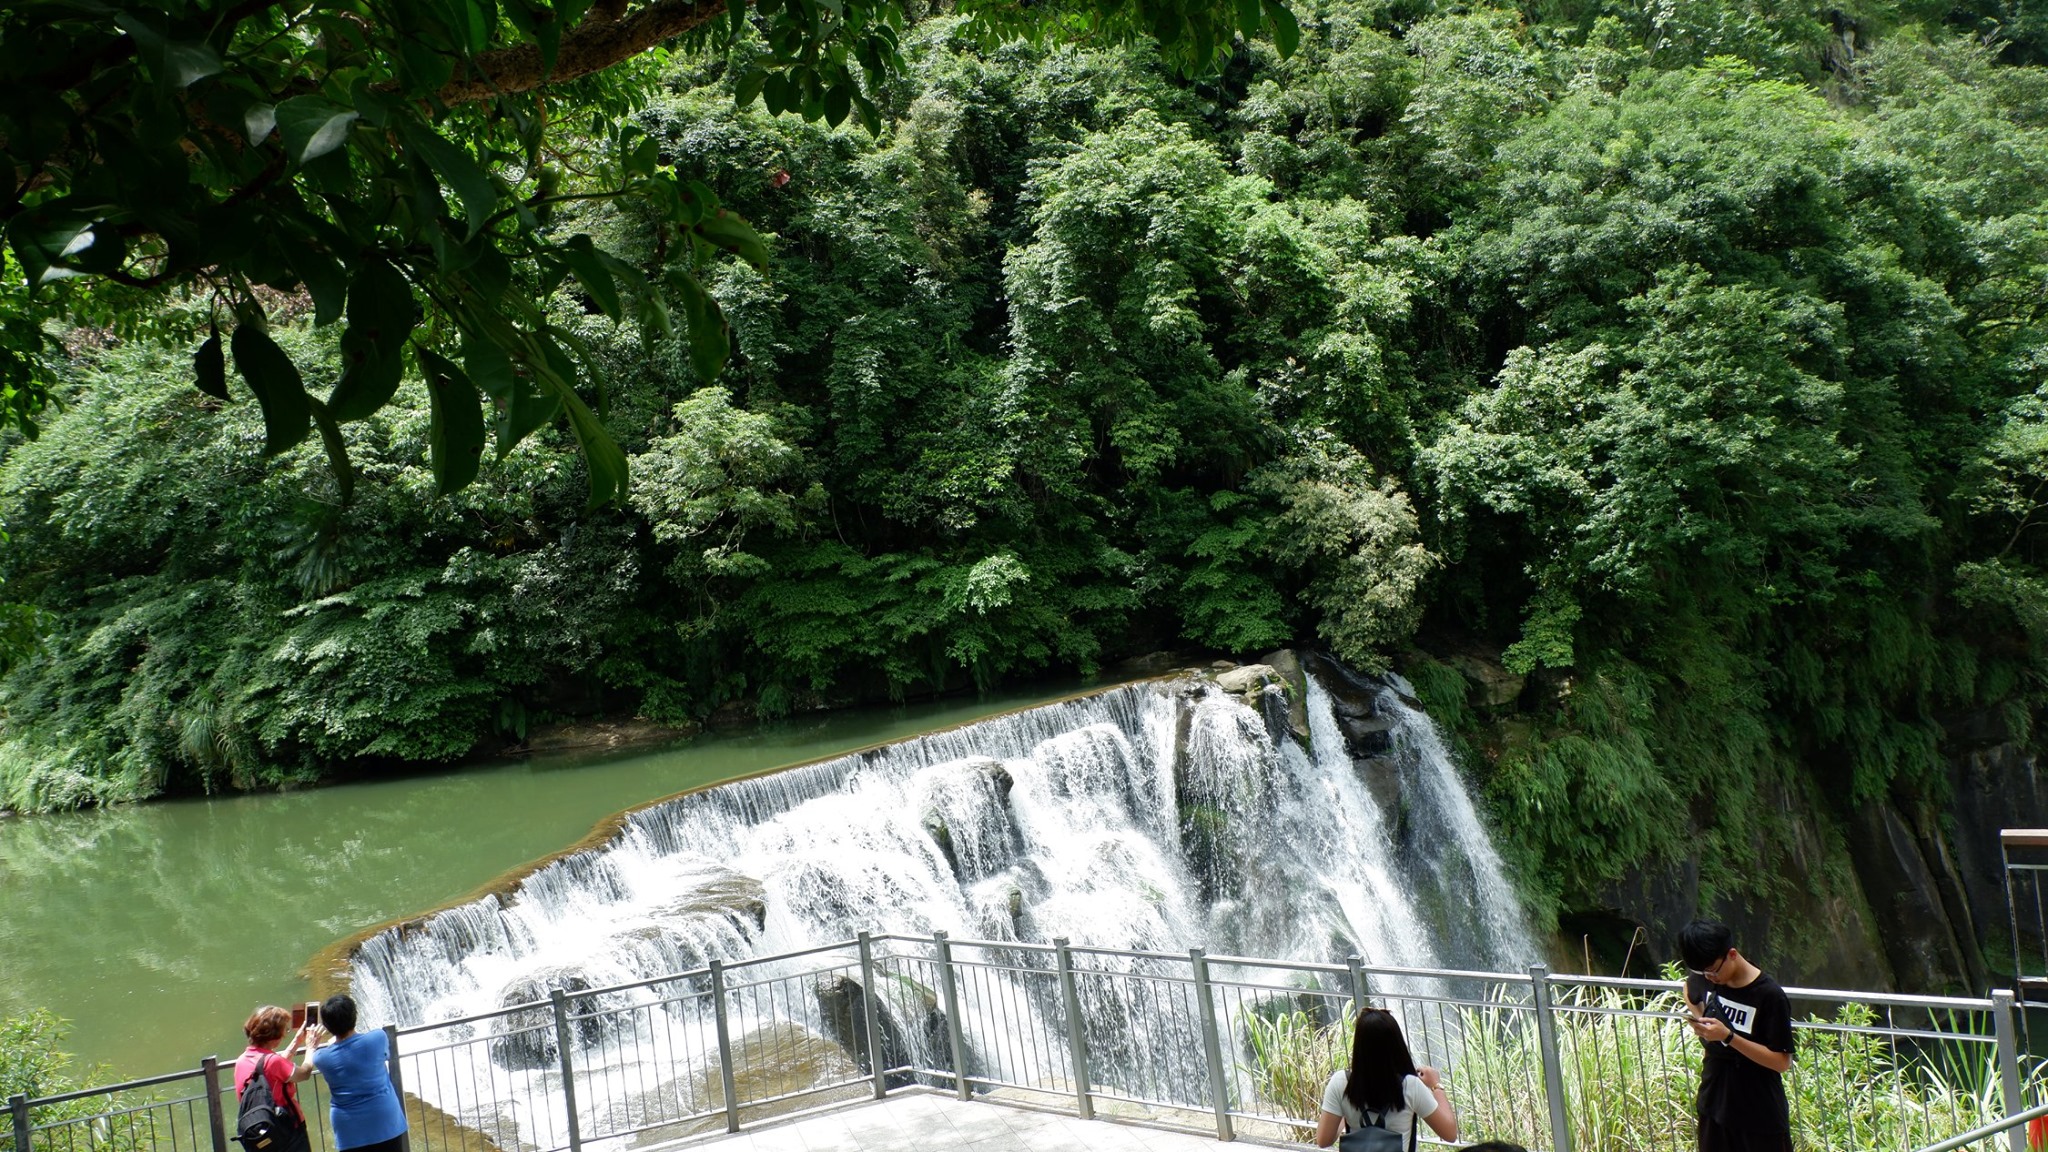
x=156, y=928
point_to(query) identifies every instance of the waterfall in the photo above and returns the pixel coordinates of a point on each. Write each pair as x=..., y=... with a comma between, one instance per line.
x=1152, y=817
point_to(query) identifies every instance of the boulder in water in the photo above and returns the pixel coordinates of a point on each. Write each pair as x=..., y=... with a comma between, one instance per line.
x=934, y=826
x=1381, y=776
x=769, y=1063
x=1247, y=678
x=908, y=1019
x=740, y=899
x=528, y=1038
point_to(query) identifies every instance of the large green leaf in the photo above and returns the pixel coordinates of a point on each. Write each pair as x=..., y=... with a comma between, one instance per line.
x=730, y=231
x=312, y=127
x=455, y=438
x=1286, y=30
x=210, y=368
x=62, y=239
x=177, y=63
x=593, y=273
x=381, y=316
x=270, y=374
x=337, y=450
x=710, y=340
x=456, y=169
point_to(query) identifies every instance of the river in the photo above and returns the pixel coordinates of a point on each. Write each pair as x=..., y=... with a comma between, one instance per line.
x=155, y=928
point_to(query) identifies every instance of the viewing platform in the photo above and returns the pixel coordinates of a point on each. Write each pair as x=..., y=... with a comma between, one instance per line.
x=912, y=1121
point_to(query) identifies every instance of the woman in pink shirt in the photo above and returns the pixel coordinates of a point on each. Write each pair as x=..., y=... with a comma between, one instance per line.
x=264, y=1028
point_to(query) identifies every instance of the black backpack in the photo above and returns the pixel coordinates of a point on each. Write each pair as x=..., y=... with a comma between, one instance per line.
x=1374, y=1136
x=262, y=1122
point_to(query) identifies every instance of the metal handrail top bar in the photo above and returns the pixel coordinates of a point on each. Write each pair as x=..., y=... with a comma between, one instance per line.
x=1010, y=945
x=1893, y=999
x=1890, y=999
x=493, y=1014
x=744, y=985
x=1994, y=1128
x=667, y=978
x=1374, y=970
x=126, y=1086
x=132, y=1110
x=1278, y=966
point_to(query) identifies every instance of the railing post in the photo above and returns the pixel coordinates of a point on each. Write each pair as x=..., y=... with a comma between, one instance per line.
x=17, y=1104
x=397, y=1080
x=725, y=1076
x=1212, y=1045
x=216, y=1119
x=1553, y=1072
x=2008, y=1063
x=954, y=1035
x=1358, y=988
x=872, y=1012
x=568, y=1054
x=1077, y=1040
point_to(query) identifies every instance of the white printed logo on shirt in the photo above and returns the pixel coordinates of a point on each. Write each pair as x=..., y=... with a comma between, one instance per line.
x=1740, y=1017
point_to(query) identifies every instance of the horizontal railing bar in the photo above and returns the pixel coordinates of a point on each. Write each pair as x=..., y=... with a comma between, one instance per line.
x=1888, y=999
x=1373, y=970
x=493, y=1014
x=862, y=1080
x=127, y=1086
x=115, y=1114
x=732, y=987
x=995, y=945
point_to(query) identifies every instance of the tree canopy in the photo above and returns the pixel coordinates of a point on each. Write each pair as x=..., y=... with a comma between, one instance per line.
x=395, y=167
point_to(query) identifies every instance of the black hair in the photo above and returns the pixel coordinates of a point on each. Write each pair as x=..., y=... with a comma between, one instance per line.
x=1379, y=1062
x=1496, y=1146
x=338, y=1015
x=1702, y=942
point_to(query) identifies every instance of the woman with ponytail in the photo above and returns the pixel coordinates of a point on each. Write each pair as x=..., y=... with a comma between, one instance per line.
x=1375, y=1102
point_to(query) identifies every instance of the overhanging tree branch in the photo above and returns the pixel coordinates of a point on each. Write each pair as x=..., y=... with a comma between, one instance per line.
x=593, y=46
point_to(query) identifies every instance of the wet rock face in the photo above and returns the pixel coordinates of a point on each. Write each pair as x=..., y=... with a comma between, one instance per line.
x=1246, y=677
x=1368, y=734
x=842, y=1009
x=740, y=899
x=528, y=1038
x=1917, y=938
x=1992, y=787
x=1491, y=686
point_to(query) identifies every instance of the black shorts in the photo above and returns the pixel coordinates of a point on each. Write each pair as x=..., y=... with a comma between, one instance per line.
x=395, y=1144
x=1718, y=1138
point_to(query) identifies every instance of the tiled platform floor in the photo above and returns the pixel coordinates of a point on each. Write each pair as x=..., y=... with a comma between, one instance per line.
x=916, y=1121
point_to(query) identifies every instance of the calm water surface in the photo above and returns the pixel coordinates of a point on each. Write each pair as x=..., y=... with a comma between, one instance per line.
x=155, y=929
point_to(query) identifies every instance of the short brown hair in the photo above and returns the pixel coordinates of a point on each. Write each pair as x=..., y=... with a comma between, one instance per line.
x=266, y=1025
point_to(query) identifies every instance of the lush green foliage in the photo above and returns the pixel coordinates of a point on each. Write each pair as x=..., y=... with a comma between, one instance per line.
x=385, y=159
x=33, y=1064
x=1690, y=360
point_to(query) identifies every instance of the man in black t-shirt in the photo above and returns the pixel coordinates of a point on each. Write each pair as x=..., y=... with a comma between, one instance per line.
x=1745, y=1021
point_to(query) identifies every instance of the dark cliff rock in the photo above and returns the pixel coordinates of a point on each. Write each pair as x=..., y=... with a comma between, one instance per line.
x=1991, y=786
x=1905, y=893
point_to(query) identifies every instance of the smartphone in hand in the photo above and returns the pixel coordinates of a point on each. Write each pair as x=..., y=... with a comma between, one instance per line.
x=298, y=1017
x=312, y=1012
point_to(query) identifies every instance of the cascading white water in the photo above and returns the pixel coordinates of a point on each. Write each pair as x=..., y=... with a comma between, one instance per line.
x=1154, y=817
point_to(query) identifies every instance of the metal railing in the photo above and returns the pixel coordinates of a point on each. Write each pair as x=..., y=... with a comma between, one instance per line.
x=2024, y=852
x=1240, y=1044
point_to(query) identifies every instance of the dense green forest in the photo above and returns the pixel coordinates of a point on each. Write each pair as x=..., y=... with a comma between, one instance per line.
x=1688, y=357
